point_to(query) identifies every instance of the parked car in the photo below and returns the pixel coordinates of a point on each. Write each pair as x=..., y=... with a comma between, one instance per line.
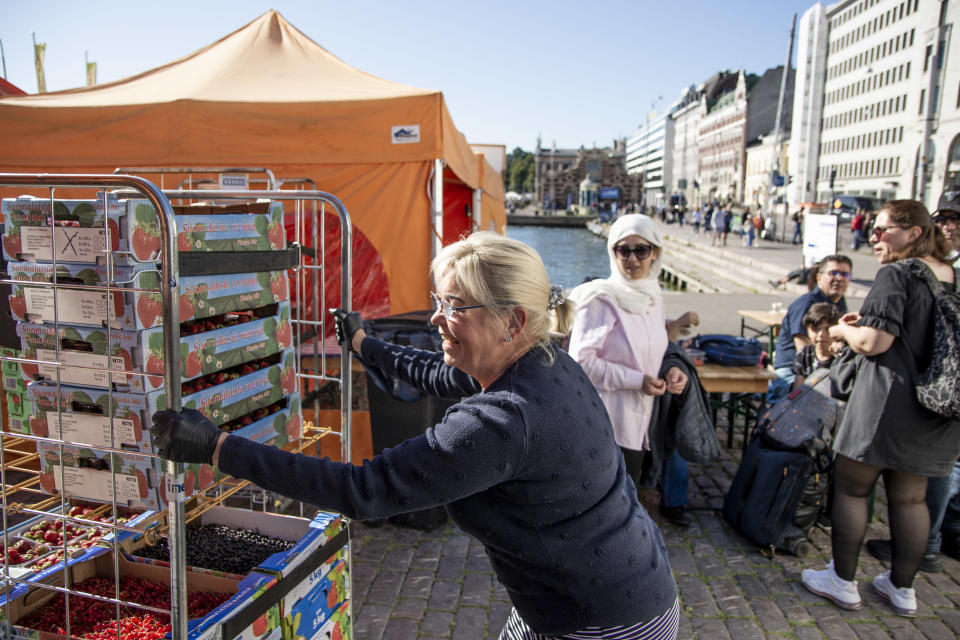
x=846, y=206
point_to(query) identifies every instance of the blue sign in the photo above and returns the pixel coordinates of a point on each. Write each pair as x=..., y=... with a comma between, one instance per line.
x=609, y=193
x=778, y=180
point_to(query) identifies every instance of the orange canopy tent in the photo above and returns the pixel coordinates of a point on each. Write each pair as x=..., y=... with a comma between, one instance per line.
x=268, y=96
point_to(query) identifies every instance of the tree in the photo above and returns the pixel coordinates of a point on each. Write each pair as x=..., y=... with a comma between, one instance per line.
x=519, y=174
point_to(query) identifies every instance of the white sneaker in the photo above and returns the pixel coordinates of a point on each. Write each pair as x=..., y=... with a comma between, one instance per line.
x=828, y=584
x=902, y=600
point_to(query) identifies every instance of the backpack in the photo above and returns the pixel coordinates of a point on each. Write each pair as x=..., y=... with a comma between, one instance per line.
x=938, y=388
x=731, y=351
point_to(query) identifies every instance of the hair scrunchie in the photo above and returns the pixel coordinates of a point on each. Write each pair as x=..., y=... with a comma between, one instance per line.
x=556, y=297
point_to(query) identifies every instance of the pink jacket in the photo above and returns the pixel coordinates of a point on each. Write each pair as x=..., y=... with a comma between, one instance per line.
x=615, y=349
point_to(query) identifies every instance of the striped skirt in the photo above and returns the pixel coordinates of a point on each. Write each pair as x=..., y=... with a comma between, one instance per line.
x=663, y=627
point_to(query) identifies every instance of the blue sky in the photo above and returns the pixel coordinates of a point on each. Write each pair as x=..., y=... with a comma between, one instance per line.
x=577, y=72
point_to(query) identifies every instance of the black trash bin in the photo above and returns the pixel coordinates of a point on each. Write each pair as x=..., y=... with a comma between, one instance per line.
x=401, y=412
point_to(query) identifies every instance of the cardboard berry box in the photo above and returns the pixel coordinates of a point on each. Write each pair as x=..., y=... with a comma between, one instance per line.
x=83, y=347
x=254, y=226
x=85, y=416
x=99, y=476
x=199, y=296
x=308, y=607
x=79, y=233
x=24, y=599
x=78, y=230
x=272, y=429
x=217, y=346
x=234, y=398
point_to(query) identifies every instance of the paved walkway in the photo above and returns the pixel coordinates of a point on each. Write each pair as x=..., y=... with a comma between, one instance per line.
x=411, y=584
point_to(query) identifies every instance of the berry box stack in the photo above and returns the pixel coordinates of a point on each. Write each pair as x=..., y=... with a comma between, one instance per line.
x=237, y=364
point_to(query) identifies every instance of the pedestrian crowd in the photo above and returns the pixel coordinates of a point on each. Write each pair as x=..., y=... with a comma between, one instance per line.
x=568, y=403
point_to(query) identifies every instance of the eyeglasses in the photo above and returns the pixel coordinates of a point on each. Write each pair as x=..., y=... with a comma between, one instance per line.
x=641, y=251
x=880, y=230
x=839, y=274
x=448, y=309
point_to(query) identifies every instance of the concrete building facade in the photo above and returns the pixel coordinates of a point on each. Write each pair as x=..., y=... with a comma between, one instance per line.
x=877, y=106
x=650, y=158
x=687, y=112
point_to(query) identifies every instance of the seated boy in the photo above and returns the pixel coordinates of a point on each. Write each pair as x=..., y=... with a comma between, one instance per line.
x=817, y=321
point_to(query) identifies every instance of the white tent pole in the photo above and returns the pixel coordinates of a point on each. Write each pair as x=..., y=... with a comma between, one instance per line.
x=437, y=205
x=478, y=209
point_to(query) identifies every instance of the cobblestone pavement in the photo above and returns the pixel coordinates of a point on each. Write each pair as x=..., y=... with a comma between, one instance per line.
x=411, y=584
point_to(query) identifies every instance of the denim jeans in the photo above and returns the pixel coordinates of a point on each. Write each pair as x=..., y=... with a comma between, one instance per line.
x=780, y=387
x=676, y=475
x=943, y=501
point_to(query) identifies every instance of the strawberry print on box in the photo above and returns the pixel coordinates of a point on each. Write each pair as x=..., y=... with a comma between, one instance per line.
x=78, y=231
x=254, y=226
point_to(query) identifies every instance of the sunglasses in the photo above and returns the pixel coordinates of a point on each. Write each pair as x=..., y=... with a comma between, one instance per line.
x=880, y=230
x=943, y=219
x=641, y=251
x=839, y=274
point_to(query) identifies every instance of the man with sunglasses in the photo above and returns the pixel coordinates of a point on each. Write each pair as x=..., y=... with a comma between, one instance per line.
x=832, y=281
x=947, y=216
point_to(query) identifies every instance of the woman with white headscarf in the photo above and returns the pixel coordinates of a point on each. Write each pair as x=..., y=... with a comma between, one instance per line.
x=619, y=334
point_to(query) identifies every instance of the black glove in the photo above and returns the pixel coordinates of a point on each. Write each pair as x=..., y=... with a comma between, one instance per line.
x=184, y=437
x=347, y=324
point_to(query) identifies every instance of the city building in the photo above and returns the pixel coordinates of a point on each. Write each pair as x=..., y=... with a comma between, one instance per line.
x=721, y=138
x=760, y=156
x=877, y=103
x=649, y=157
x=562, y=174
x=686, y=113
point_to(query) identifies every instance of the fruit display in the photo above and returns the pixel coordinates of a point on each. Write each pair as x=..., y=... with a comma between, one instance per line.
x=78, y=230
x=88, y=615
x=221, y=548
x=21, y=552
x=53, y=532
x=82, y=347
x=311, y=604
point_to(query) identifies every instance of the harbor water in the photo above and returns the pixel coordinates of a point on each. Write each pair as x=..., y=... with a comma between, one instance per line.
x=571, y=255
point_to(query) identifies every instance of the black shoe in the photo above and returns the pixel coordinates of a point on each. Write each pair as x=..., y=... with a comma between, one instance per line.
x=882, y=550
x=676, y=515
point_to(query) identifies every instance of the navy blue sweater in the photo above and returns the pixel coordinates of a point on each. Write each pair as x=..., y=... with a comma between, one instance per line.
x=529, y=467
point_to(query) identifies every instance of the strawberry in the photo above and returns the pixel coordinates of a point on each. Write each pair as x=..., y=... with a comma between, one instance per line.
x=142, y=484
x=127, y=360
x=279, y=288
x=193, y=365
x=183, y=242
x=30, y=370
x=337, y=633
x=118, y=303
x=332, y=597
x=276, y=235
x=148, y=308
x=137, y=425
x=205, y=476
x=155, y=365
x=187, y=310
x=283, y=335
x=145, y=246
x=293, y=427
x=114, y=232
x=260, y=626
x=11, y=244
x=47, y=483
x=288, y=381
x=18, y=306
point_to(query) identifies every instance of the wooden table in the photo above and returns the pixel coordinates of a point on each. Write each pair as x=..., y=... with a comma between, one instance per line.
x=739, y=383
x=769, y=325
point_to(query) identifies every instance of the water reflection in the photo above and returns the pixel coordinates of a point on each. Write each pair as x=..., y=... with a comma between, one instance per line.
x=570, y=255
